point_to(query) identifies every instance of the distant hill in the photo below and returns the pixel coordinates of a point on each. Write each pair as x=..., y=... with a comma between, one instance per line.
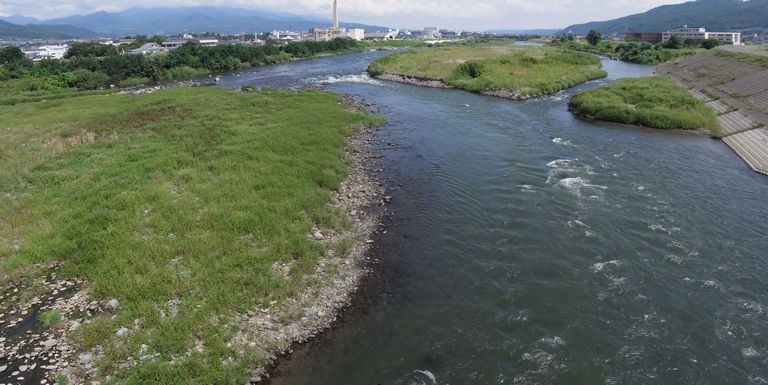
x=8, y=30
x=151, y=21
x=20, y=19
x=714, y=15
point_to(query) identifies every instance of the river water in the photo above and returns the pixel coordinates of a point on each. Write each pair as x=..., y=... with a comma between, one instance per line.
x=532, y=247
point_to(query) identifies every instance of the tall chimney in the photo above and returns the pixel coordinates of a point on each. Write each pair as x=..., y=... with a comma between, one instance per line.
x=335, y=13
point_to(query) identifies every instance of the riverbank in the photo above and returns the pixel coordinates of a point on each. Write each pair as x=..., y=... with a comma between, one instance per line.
x=208, y=230
x=735, y=84
x=513, y=72
x=648, y=102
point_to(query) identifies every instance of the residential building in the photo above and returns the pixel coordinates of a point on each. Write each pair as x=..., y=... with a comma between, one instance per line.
x=148, y=48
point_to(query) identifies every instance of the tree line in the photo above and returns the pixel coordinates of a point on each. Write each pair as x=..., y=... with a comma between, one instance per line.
x=93, y=65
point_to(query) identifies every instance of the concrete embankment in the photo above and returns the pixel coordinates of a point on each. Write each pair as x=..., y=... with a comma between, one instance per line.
x=737, y=91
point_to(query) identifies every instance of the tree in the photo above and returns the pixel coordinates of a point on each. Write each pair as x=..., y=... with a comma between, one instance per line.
x=594, y=36
x=710, y=43
x=674, y=42
x=9, y=55
x=90, y=50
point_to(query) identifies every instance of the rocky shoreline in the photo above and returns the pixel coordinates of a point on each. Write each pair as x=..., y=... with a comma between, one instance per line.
x=417, y=81
x=437, y=83
x=338, y=276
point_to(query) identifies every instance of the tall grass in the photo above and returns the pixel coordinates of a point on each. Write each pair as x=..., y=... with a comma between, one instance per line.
x=524, y=71
x=190, y=194
x=650, y=102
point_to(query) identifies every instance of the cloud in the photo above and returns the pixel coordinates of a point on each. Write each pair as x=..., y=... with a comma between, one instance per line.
x=468, y=14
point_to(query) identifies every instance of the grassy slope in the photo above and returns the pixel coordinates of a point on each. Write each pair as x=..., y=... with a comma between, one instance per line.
x=651, y=102
x=189, y=194
x=525, y=70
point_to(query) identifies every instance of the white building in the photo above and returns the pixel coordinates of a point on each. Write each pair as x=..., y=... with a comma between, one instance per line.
x=685, y=33
x=356, y=34
x=47, y=52
x=391, y=35
x=431, y=33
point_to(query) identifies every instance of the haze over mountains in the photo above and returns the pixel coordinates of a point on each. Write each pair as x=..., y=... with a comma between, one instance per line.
x=715, y=15
x=9, y=30
x=151, y=21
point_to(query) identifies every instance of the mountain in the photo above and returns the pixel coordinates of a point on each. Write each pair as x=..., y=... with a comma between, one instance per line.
x=9, y=30
x=714, y=15
x=151, y=21
x=20, y=19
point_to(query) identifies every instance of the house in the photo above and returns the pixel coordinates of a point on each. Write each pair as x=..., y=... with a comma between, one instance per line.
x=148, y=48
x=175, y=43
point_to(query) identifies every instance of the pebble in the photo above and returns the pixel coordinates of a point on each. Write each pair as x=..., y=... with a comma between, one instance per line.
x=122, y=332
x=113, y=304
x=50, y=343
x=318, y=236
x=86, y=358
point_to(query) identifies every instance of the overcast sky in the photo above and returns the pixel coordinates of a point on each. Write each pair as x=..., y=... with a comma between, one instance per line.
x=467, y=14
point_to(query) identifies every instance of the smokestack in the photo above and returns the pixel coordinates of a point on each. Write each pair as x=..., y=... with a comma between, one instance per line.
x=335, y=13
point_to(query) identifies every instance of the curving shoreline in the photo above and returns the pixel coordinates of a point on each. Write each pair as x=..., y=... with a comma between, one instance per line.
x=274, y=331
x=437, y=83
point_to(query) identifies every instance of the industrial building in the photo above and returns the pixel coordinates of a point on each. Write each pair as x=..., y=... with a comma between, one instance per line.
x=333, y=32
x=648, y=37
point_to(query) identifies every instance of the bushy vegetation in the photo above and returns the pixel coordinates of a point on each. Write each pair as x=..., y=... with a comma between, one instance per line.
x=185, y=194
x=98, y=66
x=633, y=52
x=650, y=102
x=518, y=71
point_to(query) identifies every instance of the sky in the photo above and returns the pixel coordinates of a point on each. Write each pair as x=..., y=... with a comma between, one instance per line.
x=455, y=14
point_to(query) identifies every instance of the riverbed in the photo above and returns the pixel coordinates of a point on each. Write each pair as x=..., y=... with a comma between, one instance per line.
x=531, y=247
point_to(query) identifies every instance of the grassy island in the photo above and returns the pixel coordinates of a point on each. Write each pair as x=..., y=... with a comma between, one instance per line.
x=653, y=102
x=190, y=206
x=516, y=72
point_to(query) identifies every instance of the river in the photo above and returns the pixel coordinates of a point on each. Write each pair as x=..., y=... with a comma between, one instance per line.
x=532, y=247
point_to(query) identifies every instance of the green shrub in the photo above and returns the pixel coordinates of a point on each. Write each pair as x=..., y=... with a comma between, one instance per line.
x=88, y=80
x=50, y=317
x=134, y=82
x=650, y=102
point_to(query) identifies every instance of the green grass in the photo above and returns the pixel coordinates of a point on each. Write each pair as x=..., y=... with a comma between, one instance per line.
x=391, y=43
x=187, y=193
x=51, y=317
x=650, y=102
x=744, y=57
x=522, y=70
